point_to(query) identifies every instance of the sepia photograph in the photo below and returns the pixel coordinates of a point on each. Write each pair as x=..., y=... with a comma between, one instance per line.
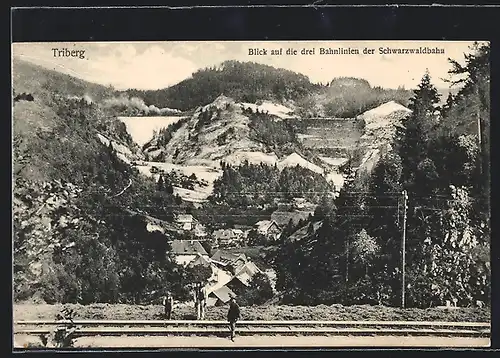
x=256, y=194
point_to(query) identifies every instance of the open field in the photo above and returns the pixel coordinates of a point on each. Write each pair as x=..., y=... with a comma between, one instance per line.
x=29, y=311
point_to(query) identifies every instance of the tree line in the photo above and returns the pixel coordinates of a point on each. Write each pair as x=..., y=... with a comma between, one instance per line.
x=243, y=81
x=259, y=185
x=347, y=97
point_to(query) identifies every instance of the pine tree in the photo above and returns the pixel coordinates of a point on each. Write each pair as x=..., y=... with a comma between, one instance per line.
x=447, y=105
x=472, y=110
x=169, y=189
x=425, y=97
x=384, y=207
x=413, y=139
x=160, y=185
x=288, y=229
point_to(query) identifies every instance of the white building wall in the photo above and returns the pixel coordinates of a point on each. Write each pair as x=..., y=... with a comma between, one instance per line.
x=220, y=277
x=184, y=259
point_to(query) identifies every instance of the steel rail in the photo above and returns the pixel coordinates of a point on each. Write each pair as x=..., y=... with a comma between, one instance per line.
x=218, y=328
x=97, y=331
x=254, y=323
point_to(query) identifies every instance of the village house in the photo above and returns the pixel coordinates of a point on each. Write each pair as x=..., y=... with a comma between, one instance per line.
x=245, y=229
x=229, y=271
x=268, y=228
x=220, y=296
x=186, y=251
x=229, y=261
x=218, y=280
x=186, y=221
x=228, y=237
x=200, y=230
x=303, y=204
x=243, y=276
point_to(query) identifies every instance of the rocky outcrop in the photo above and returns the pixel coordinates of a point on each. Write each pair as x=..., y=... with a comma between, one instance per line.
x=380, y=125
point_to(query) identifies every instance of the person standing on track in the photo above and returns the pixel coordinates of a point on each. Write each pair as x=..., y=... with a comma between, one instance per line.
x=168, y=304
x=197, y=300
x=232, y=316
x=203, y=301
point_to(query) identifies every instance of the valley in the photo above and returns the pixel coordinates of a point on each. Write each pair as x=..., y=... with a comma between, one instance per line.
x=329, y=143
x=195, y=149
x=141, y=129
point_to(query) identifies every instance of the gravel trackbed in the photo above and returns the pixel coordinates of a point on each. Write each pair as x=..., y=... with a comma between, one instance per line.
x=30, y=311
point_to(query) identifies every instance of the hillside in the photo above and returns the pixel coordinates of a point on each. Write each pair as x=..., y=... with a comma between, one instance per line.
x=42, y=84
x=212, y=133
x=380, y=125
x=229, y=131
x=31, y=78
x=55, y=97
x=243, y=81
x=346, y=97
x=72, y=189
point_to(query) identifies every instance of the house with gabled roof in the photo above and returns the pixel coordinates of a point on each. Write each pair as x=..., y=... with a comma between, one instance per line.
x=230, y=271
x=224, y=237
x=305, y=231
x=268, y=228
x=246, y=273
x=228, y=260
x=186, y=251
x=220, y=296
x=186, y=221
x=243, y=276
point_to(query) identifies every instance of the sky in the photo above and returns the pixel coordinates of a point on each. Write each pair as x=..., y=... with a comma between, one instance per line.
x=155, y=65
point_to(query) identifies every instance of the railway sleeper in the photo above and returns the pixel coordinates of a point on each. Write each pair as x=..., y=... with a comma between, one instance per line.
x=268, y=331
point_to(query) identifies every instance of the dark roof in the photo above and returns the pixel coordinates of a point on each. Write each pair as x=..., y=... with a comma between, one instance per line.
x=200, y=260
x=246, y=272
x=169, y=227
x=283, y=217
x=226, y=257
x=303, y=232
x=243, y=227
x=187, y=247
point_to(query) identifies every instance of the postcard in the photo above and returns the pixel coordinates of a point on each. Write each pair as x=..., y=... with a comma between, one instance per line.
x=251, y=194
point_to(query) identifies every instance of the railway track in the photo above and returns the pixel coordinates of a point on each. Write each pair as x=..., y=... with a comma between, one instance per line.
x=86, y=328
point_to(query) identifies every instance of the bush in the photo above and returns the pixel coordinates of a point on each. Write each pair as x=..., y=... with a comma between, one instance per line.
x=259, y=291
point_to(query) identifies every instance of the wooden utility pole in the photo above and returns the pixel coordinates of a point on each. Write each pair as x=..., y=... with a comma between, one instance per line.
x=405, y=207
x=347, y=259
x=479, y=131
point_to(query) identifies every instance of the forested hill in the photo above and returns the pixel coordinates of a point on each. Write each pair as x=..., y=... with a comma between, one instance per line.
x=348, y=97
x=77, y=235
x=28, y=77
x=242, y=81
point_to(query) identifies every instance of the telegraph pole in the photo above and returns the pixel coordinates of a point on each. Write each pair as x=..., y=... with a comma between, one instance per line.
x=479, y=133
x=405, y=207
